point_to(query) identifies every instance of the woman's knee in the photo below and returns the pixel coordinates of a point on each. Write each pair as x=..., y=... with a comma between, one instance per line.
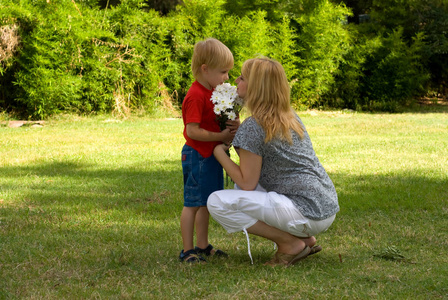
x=213, y=202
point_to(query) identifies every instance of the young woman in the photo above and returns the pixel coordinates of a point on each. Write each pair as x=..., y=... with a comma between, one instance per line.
x=282, y=191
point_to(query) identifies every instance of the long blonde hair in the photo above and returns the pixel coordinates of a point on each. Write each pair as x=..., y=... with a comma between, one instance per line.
x=267, y=98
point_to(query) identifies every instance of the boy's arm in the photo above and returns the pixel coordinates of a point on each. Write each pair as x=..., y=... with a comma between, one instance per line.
x=195, y=132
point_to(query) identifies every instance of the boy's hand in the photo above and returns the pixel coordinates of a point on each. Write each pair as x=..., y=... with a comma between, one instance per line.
x=195, y=132
x=233, y=125
x=227, y=136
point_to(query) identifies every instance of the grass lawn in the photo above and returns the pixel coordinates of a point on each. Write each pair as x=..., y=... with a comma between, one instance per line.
x=90, y=207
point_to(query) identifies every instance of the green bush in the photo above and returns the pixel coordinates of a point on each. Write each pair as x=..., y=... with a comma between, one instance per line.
x=90, y=60
x=420, y=17
x=395, y=73
x=322, y=41
x=45, y=79
x=380, y=73
x=21, y=19
x=246, y=36
x=91, y=56
x=78, y=57
x=346, y=88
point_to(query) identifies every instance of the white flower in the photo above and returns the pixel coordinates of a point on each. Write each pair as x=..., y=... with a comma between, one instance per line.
x=226, y=102
x=231, y=115
x=239, y=101
x=220, y=88
x=226, y=86
x=217, y=110
x=215, y=98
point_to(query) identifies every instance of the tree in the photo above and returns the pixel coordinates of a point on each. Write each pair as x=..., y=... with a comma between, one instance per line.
x=162, y=6
x=426, y=17
x=358, y=8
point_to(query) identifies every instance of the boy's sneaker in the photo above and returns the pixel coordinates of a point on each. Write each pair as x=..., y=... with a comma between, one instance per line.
x=210, y=251
x=191, y=256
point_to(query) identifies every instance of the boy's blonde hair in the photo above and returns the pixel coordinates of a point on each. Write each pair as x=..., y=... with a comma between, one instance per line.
x=267, y=98
x=212, y=53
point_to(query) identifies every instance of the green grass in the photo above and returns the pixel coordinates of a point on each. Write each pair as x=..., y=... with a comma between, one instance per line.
x=90, y=207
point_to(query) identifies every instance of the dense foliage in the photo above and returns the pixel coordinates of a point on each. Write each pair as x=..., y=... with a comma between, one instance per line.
x=89, y=56
x=400, y=52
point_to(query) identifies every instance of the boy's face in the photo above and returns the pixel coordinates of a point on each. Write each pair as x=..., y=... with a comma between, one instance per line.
x=215, y=76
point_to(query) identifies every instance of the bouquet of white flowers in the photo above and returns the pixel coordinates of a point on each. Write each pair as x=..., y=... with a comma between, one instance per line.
x=227, y=103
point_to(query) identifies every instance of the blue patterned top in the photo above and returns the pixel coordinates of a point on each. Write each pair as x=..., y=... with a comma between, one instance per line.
x=291, y=170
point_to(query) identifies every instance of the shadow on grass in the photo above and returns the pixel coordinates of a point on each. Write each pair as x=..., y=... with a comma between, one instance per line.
x=104, y=217
x=73, y=224
x=155, y=191
x=68, y=183
x=158, y=188
x=367, y=193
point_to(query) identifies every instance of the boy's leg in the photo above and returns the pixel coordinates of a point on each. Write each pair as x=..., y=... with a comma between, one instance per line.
x=203, y=247
x=187, y=221
x=210, y=179
x=202, y=221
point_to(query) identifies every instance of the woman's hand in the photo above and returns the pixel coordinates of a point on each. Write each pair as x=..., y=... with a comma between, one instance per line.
x=227, y=136
x=233, y=125
x=222, y=147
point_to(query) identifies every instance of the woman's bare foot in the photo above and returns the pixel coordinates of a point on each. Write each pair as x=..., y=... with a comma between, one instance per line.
x=310, y=242
x=293, y=247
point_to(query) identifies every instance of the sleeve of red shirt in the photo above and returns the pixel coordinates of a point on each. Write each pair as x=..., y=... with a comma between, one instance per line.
x=193, y=109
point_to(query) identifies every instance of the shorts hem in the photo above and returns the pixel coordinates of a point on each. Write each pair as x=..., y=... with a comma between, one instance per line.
x=194, y=205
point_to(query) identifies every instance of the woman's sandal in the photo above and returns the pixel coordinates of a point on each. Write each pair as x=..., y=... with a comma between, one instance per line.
x=191, y=256
x=210, y=251
x=283, y=259
x=315, y=249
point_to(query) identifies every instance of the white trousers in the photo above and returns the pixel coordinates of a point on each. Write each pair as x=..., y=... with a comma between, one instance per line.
x=236, y=210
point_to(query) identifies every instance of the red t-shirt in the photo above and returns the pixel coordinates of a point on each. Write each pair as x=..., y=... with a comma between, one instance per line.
x=198, y=108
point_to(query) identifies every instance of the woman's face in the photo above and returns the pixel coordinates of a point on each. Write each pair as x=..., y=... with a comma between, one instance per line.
x=242, y=86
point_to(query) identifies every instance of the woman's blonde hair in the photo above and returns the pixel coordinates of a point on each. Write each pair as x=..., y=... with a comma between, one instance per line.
x=212, y=53
x=267, y=98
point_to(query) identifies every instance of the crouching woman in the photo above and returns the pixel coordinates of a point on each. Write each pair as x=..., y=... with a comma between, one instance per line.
x=282, y=192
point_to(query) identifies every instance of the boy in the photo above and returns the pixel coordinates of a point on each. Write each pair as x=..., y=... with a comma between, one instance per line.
x=210, y=64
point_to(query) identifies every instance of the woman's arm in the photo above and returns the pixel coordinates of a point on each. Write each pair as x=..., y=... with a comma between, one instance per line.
x=247, y=174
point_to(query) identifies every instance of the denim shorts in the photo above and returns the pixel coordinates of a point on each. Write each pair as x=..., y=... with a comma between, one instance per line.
x=202, y=176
